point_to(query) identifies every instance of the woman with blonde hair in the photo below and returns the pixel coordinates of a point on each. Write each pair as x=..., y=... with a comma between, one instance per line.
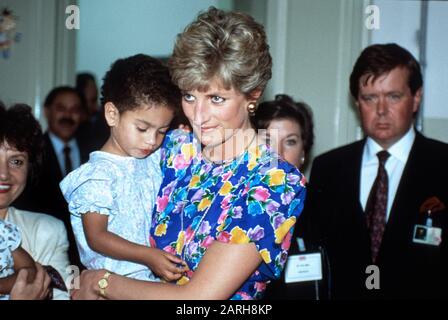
x=227, y=205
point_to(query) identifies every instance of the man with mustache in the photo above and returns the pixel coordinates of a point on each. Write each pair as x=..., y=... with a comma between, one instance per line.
x=382, y=201
x=63, y=152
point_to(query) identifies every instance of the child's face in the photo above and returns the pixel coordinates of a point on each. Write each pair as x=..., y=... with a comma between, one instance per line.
x=139, y=132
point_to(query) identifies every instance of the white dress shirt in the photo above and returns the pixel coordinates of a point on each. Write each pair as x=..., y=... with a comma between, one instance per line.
x=58, y=146
x=399, y=153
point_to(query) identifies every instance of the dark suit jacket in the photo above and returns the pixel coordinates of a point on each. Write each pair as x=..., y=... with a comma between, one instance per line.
x=46, y=197
x=336, y=220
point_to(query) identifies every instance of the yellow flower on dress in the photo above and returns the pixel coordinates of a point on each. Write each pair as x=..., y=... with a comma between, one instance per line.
x=226, y=188
x=160, y=229
x=180, y=242
x=276, y=177
x=283, y=229
x=204, y=204
x=182, y=281
x=194, y=181
x=266, y=255
x=238, y=236
x=254, y=155
x=188, y=151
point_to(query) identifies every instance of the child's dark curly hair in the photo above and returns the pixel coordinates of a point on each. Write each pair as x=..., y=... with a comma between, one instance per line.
x=19, y=129
x=137, y=80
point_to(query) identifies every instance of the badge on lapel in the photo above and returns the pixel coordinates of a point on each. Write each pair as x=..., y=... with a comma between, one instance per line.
x=427, y=234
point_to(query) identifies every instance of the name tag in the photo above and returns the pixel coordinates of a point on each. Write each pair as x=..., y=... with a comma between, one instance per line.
x=303, y=267
x=427, y=235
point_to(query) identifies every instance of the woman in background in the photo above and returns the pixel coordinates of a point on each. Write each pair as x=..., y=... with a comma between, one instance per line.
x=289, y=128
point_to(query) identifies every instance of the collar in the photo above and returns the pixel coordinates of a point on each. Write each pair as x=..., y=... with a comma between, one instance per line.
x=400, y=149
x=59, y=145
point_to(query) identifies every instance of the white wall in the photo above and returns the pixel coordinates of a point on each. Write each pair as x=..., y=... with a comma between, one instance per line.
x=400, y=23
x=112, y=29
x=42, y=59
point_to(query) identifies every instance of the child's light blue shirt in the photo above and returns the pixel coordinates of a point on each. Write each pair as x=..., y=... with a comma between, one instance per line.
x=124, y=189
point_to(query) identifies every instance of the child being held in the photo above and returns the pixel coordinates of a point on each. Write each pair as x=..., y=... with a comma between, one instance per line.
x=12, y=258
x=111, y=197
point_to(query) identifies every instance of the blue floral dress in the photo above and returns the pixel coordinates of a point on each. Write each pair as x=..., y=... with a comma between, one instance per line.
x=256, y=198
x=10, y=240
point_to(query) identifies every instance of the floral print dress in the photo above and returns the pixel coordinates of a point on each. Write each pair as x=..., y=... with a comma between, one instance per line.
x=256, y=198
x=10, y=240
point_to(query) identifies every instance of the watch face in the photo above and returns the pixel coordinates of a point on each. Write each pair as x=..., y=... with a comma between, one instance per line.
x=102, y=283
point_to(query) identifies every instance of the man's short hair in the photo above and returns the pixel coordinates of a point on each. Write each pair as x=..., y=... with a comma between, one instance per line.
x=379, y=59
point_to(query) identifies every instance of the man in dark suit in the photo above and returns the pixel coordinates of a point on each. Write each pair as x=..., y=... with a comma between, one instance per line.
x=381, y=201
x=63, y=152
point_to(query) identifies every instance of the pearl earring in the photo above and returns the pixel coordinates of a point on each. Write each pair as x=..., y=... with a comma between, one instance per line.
x=251, y=109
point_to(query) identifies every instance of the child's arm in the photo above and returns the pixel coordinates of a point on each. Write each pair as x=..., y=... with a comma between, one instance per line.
x=36, y=290
x=22, y=260
x=112, y=245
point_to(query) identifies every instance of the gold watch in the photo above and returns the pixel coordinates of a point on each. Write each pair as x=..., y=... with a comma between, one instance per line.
x=104, y=283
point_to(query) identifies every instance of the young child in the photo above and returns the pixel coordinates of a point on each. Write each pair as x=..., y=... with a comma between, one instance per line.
x=12, y=258
x=111, y=197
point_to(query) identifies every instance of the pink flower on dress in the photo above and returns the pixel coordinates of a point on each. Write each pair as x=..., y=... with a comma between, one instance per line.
x=223, y=216
x=152, y=242
x=246, y=189
x=303, y=181
x=207, y=241
x=225, y=202
x=261, y=194
x=224, y=237
x=287, y=241
x=227, y=175
x=161, y=203
x=169, y=249
x=179, y=162
x=260, y=286
x=189, y=234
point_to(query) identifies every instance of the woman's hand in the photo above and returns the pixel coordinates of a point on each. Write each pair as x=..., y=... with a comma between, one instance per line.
x=88, y=288
x=166, y=265
x=36, y=290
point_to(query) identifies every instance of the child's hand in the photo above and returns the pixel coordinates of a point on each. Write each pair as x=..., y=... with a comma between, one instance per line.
x=166, y=265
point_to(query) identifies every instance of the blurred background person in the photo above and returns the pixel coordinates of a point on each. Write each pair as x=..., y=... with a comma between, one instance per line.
x=63, y=152
x=289, y=128
x=93, y=130
x=42, y=236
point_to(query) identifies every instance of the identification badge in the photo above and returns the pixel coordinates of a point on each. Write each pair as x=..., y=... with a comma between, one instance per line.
x=303, y=267
x=427, y=235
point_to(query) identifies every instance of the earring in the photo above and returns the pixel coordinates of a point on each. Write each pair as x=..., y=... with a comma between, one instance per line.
x=251, y=108
x=303, y=159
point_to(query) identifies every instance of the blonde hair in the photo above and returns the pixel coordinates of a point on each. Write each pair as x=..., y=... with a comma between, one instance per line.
x=230, y=46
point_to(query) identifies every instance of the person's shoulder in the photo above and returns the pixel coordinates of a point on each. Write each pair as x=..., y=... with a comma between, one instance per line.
x=41, y=219
x=98, y=168
x=273, y=169
x=433, y=145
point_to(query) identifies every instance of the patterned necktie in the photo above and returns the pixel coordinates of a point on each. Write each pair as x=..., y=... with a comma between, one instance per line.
x=67, y=160
x=376, y=207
